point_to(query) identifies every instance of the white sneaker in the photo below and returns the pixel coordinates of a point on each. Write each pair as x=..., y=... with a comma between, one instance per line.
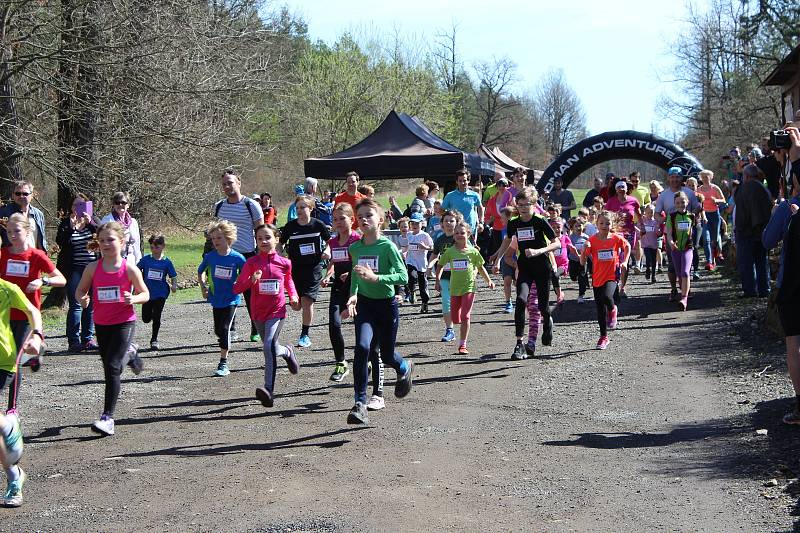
x=104, y=426
x=376, y=403
x=581, y=299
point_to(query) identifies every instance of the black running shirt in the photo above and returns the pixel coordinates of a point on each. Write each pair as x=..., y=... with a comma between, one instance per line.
x=535, y=233
x=304, y=244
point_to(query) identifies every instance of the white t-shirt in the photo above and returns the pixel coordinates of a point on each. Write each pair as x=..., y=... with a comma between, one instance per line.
x=418, y=256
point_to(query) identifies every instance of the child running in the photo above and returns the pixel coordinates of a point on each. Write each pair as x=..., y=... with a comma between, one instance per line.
x=609, y=254
x=680, y=228
x=216, y=275
x=29, y=269
x=11, y=445
x=268, y=275
x=445, y=241
x=377, y=268
x=113, y=285
x=465, y=262
x=578, y=271
x=419, y=244
x=156, y=267
x=650, y=231
x=561, y=257
x=508, y=267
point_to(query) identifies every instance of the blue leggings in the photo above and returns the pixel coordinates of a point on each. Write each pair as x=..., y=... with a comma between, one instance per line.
x=711, y=234
x=444, y=285
x=375, y=320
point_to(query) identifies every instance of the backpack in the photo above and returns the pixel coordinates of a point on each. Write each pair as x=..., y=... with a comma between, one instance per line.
x=207, y=247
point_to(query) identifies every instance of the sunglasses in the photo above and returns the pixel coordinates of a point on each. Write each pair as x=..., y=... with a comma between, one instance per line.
x=18, y=193
x=120, y=203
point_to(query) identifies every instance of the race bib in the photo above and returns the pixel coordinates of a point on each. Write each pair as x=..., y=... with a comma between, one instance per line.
x=558, y=252
x=579, y=246
x=684, y=226
x=369, y=261
x=437, y=227
x=108, y=294
x=413, y=247
x=650, y=228
x=307, y=249
x=339, y=255
x=155, y=275
x=18, y=268
x=268, y=286
x=223, y=272
x=605, y=255
x=460, y=265
x=525, y=234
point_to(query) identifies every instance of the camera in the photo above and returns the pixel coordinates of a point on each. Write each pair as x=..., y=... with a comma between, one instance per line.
x=779, y=140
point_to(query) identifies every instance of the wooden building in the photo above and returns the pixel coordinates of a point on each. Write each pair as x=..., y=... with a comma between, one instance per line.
x=787, y=76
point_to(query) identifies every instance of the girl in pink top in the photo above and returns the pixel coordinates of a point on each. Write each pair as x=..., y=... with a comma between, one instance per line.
x=112, y=282
x=267, y=276
x=560, y=257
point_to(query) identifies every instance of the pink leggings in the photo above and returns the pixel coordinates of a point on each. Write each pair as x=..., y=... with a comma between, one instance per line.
x=461, y=307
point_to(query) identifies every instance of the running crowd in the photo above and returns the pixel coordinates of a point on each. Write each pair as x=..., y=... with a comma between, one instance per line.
x=374, y=261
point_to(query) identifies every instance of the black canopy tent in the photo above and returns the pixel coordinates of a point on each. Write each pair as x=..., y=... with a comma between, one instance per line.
x=401, y=147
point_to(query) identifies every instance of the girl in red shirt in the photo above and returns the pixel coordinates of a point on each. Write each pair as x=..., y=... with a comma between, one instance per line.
x=609, y=254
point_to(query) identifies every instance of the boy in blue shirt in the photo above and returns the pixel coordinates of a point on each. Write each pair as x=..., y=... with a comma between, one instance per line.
x=156, y=267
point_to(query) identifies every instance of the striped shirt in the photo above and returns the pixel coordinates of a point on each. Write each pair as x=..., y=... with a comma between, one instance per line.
x=243, y=214
x=80, y=255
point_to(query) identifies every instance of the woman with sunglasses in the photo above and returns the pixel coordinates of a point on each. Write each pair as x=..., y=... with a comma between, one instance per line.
x=119, y=213
x=22, y=198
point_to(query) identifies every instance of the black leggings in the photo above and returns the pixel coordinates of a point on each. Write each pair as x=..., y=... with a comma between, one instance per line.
x=605, y=297
x=415, y=276
x=650, y=257
x=152, y=311
x=114, y=341
x=524, y=280
x=223, y=322
x=578, y=272
x=19, y=329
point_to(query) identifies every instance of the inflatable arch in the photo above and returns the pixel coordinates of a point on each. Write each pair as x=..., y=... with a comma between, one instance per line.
x=616, y=145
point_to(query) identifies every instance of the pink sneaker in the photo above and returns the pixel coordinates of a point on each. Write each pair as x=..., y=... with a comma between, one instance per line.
x=602, y=344
x=612, y=318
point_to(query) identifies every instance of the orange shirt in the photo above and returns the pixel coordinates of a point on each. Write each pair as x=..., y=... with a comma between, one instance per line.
x=345, y=198
x=710, y=193
x=606, y=255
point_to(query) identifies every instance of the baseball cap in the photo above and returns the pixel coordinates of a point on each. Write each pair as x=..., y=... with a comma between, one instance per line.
x=299, y=189
x=674, y=171
x=416, y=217
x=503, y=182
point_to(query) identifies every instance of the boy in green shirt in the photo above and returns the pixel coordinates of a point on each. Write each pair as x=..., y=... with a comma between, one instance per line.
x=377, y=268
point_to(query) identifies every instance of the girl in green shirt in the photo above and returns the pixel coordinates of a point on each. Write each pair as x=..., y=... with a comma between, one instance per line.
x=377, y=268
x=680, y=226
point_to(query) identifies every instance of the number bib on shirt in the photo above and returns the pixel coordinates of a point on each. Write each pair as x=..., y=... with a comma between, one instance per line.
x=605, y=255
x=268, y=286
x=307, y=249
x=369, y=261
x=222, y=272
x=684, y=226
x=155, y=275
x=526, y=234
x=340, y=255
x=649, y=228
x=413, y=247
x=460, y=265
x=18, y=268
x=108, y=294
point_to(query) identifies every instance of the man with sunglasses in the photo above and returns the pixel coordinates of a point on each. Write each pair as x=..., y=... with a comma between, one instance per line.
x=22, y=197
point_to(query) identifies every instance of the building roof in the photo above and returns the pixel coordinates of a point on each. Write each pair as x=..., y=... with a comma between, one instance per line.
x=786, y=69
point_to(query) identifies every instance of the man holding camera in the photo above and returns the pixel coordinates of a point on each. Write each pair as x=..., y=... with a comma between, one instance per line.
x=772, y=165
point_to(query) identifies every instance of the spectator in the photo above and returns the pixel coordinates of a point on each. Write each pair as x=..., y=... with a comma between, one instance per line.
x=350, y=195
x=637, y=190
x=23, y=196
x=321, y=211
x=560, y=195
x=270, y=213
x=433, y=190
x=465, y=201
x=590, y=196
x=518, y=181
x=132, y=247
x=493, y=208
x=753, y=205
x=772, y=164
x=491, y=190
x=291, y=213
x=655, y=189
x=608, y=191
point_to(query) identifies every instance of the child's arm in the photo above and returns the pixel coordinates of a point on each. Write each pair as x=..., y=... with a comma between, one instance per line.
x=201, y=278
x=246, y=278
x=142, y=293
x=485, y=274
x=585, y=252
x=82, y=292
x=54, y=279
x=288, y=283
x=326, y=279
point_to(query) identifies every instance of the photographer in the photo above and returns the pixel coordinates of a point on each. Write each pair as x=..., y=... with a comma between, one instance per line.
x=753, y=206
x=772, y=165
x=784, y=225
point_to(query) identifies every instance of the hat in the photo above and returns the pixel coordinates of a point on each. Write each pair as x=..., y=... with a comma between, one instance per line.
x=674, y=171
x=502, y=182
x=610, y=175
x=299, y=189
x=621, y=185
x=756, y=152
x=416, y=217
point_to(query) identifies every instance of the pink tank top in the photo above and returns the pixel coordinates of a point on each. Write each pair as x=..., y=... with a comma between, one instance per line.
x=108, y=289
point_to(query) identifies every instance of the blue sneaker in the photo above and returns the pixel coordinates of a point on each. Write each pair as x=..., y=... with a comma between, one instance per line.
x=304, y=341
x=13, y=444
x=509, y=308
x=449, y=335
x=222, y=369
x=13, y=496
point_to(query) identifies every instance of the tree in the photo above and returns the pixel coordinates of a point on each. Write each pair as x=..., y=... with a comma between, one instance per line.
x=494, y=101
x=560, y=111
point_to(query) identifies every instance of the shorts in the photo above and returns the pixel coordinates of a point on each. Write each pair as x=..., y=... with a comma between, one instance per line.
x=632, y=239
x=789, y=315
x=306, y=281
x=506, y=269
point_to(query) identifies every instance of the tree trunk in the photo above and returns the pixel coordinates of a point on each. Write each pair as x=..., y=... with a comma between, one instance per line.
x=10, y=170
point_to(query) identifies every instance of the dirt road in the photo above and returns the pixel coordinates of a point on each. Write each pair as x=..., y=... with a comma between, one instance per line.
x=658, y=433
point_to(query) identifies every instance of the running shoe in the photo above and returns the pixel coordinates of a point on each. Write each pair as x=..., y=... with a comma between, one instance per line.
x=623, y=294
x=547, y=332
x=695, y=276
x=13, y=443
x=406, y=298
x=519, y=352
x=13, y=496
x=255, y=337
x=673, y=295
x=404, y=383
x=683, y=303
x=134, y=361
x=660, y=270
x=530, y=349
x=340, y=371
x=509, y=308
x=304, y=341
x=462, y=349
x=291, y=361
x=264, y=396
x=581, y=299
x=424, y=308
x=449, y=335
x=90, y=346
x=154, y=346
x=358, y=414
x=792, y=417
x=709, y=267
x=376, y=403
x=602, y=344
x=104, y=426
x=75, y=348
x=612, y=318
x=222, y=369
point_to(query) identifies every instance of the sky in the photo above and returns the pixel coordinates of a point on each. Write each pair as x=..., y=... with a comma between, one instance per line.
x=614, y=54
